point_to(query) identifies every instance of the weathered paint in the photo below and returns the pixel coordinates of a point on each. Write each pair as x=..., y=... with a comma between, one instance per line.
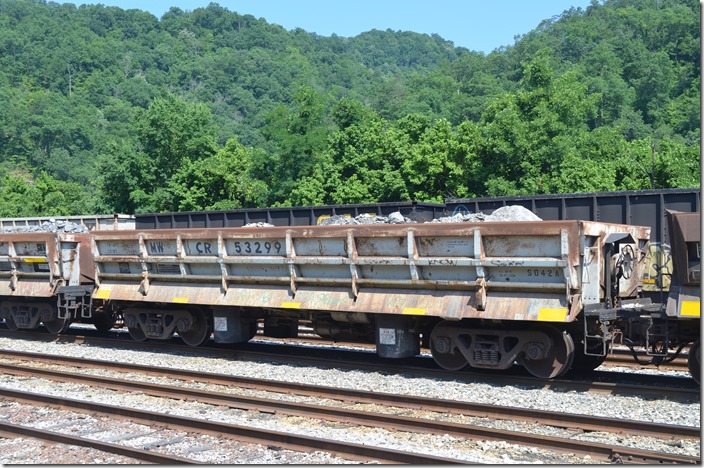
x=514, y=271
x=38, y=263
x=103, y=292
x=34, y=259
x=27, y=287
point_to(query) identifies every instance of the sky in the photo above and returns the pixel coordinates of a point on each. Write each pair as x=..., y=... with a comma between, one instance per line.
x=479, y=25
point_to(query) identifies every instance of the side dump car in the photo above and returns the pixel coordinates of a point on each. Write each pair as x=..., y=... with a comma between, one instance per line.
x=480, y=294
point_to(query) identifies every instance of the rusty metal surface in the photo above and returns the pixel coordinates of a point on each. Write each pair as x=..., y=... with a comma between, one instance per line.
x=37, y=263
x=514, y=270
x=27, y=288
x=684, y=299
x=685, y=242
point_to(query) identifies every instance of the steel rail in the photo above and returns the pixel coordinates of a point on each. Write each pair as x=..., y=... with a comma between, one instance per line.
x=623, y=357
x=400, y=423
x=234, y=431
x=551, y=418
x=14, y=430
x=648, y=387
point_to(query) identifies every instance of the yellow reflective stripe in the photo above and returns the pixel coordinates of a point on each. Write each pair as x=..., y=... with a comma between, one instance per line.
x=180, y=300
x=291, y=305
x=691, y=309
x=103, y=293
x=34, y=259
x=548, y=314
x=414, y=311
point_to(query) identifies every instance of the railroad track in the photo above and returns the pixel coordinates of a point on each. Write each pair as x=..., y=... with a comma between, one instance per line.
x=136, y=453
x=347, y=415
x=674, y=388
x=237, y=432
x=623, y=357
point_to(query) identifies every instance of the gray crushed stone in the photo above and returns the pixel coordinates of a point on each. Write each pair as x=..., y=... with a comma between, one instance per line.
x=503, y=214
x=506, y=213
x=260, y=224
x=340, y=220
x=52, y=225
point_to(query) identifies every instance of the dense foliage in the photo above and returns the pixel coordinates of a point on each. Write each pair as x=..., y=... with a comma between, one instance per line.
x=110, y=110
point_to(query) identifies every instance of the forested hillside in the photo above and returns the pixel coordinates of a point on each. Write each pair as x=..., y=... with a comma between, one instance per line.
x=109, y=110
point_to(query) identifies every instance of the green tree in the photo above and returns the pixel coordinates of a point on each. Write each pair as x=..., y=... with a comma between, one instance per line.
x=435, y=166
x=222, y=181
x=299, y=137
x=172, y=135
x=23, y=196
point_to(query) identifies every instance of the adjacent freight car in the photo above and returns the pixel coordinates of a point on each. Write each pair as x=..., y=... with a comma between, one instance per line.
x=47, y=278
x=684, y=298
x=480, y=294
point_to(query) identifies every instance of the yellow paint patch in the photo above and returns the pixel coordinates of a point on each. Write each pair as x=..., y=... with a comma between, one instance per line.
x=414, y=311
x=291, y=305
x=691, y=309
x=103, y=293
x=180, y=300
x=547, y=314
x=34, y=259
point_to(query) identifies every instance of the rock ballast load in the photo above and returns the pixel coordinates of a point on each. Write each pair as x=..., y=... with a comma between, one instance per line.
x=50, y=226
x=503, y=214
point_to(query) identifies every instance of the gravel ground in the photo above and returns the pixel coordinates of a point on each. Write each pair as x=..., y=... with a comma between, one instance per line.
x=218, y=450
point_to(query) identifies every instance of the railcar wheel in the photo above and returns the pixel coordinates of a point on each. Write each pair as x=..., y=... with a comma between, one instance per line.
x=11, y=324
x=558, y=360
x=136, y=333
x=694, y=361
x=200, y=330
x=57, y=325
x=585, y=362
x=444, y=350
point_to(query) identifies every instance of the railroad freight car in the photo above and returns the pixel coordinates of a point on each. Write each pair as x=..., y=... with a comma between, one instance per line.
x=483, y=295
x=684, y=298
x=48, y=278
